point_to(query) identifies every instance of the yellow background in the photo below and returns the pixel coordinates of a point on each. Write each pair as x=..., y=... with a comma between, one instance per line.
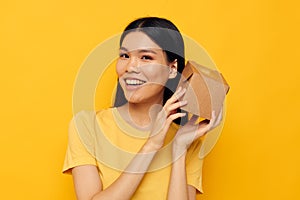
x=254, y=43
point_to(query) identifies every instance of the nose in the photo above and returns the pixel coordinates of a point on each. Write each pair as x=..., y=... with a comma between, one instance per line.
x=133, y=65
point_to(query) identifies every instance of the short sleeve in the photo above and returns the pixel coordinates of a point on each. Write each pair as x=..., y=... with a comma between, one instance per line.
x=76, y=153
x=194, y=166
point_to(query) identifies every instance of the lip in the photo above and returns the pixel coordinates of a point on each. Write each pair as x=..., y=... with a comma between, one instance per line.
x=133, y=76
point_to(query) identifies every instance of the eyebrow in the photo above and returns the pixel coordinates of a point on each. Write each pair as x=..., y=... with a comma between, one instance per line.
x=140, y=51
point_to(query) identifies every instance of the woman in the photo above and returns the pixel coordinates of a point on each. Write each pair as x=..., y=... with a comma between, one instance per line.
x=165, y=164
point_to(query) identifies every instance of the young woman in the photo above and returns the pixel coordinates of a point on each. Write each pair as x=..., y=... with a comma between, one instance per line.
x=139, y=152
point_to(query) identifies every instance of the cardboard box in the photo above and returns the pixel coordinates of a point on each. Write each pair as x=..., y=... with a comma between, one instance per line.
x=206, y=90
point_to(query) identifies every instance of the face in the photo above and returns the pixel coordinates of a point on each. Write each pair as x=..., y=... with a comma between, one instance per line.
x=143, y=69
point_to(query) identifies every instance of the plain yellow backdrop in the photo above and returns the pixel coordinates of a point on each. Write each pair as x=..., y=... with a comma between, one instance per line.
x=254, y=43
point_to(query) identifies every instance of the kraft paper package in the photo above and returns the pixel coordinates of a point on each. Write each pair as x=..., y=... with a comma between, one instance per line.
x=205, y=90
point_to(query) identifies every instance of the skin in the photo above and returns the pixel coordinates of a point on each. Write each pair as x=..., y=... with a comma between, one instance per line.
x=142, y=59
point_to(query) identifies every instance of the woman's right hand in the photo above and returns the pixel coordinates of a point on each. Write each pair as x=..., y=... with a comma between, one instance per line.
x=164, y=118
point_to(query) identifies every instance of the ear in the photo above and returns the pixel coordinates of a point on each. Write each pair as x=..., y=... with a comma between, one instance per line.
x=173, y=69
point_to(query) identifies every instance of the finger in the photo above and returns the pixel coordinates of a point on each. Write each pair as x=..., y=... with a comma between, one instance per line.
x=212, y=120
x=168, y=122
x=175, y=106
x=180, y=93
x=220, y=116
x=174, y=98
x=217, y=119
x=177, y=95
x=213, y=116
x=172, y=117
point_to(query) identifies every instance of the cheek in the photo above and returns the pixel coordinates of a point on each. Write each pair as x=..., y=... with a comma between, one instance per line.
x=120, y=68
x=157, y=74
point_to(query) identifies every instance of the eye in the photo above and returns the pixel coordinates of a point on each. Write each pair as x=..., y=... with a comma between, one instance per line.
x=146, y=57
x=123, y=55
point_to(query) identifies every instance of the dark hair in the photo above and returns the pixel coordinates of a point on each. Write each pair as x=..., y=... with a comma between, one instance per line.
x=166, y=35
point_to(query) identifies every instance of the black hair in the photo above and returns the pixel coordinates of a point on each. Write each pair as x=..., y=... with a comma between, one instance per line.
x=166, y=35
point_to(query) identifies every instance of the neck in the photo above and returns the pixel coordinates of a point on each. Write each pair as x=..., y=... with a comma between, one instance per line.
x=141, y=115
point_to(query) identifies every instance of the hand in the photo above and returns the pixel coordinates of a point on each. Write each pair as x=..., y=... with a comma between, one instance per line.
x=191, y=132
x=164, y=118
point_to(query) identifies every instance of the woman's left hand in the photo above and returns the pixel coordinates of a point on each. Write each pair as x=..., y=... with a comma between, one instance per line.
x=191, y=131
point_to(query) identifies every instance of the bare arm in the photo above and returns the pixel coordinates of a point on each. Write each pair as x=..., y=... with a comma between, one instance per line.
x=178, y=188
x=86, y=181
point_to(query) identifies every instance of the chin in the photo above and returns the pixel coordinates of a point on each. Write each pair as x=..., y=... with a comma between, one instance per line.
x=135, y=99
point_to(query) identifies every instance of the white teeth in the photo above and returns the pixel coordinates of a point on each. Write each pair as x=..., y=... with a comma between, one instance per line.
x=134, y=82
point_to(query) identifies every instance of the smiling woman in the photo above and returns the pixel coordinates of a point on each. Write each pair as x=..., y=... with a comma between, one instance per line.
x=140, y=144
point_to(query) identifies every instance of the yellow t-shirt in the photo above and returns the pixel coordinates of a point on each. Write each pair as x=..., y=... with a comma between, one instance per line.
x=106, y=140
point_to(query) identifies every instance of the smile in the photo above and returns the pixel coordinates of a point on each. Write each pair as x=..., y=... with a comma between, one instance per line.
x=134, y=82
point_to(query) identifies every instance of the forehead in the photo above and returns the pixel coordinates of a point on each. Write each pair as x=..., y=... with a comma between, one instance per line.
x=138, y=40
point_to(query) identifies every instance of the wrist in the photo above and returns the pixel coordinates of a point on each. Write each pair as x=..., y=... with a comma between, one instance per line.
x=178, y=151
x=150, y=147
